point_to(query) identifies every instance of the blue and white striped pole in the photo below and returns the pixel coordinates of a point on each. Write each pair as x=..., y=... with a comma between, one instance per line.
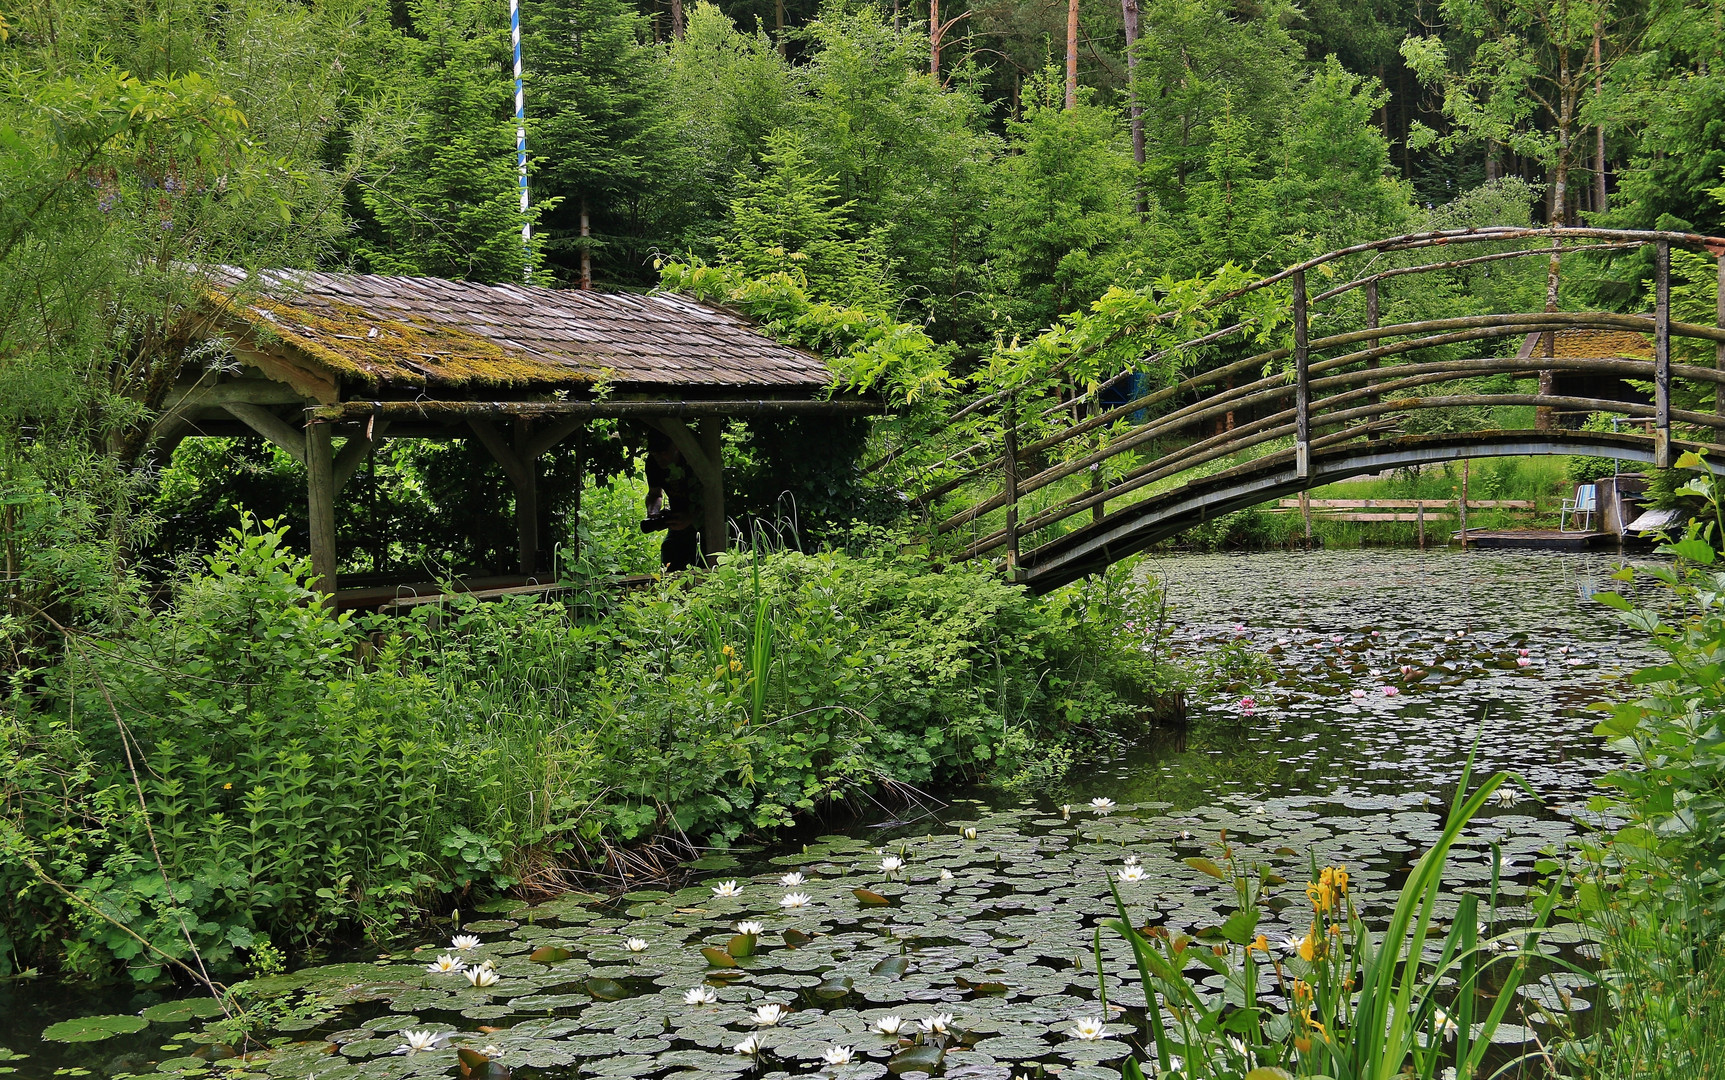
x=521, y=141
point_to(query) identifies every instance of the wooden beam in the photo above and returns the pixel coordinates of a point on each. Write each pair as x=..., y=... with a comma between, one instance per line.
x=359, y=410
x=523, y=476
x=305, y=383
x=354, y=453
x=320, y=504
x=543, y=441
x=275, y=429
x=1302, y=382
x=716, y=533
x=694, y=453
x=1661, y=355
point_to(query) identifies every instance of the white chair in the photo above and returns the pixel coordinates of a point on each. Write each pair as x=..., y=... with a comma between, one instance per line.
x=1584, y=505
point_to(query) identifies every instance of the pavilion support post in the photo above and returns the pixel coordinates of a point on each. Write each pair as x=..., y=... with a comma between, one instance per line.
x=715, y=533
x=1662, y=355
x=1372, y=317
x=526, y=501
x=1100, y=508
x=523, y=478
x=320, y=504
x=1302, y=383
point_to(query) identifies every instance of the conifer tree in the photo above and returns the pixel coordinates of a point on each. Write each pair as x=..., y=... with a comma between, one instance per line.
x=601, y=132
x=445, y=200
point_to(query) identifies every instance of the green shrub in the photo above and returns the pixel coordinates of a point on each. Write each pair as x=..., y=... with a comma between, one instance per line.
x=243, y=766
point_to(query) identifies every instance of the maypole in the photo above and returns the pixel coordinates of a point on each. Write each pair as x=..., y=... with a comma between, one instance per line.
x=521, y=142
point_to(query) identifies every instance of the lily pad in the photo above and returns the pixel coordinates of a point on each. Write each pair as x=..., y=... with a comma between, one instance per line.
x=870, y=898
x=549, y=954
x=178, y=1012
x=606, y=989
x=94, y=1028
x=917, y=1059
x=719, y=958
x=892, y=967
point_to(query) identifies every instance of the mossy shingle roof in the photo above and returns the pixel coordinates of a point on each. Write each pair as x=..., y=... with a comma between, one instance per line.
x=435, y=333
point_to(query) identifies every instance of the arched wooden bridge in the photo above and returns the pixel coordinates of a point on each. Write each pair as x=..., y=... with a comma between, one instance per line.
x=1320, y=409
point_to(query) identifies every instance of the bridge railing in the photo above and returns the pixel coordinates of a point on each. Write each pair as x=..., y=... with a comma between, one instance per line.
x=1316, y=392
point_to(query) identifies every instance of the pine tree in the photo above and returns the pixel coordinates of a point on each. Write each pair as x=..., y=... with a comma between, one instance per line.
x=446, y=201
x=601, y=133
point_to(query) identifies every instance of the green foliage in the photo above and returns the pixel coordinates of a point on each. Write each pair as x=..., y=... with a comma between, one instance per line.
x=441, y=200
x=241, y=766
x=1394, y=1023
x=788, y=222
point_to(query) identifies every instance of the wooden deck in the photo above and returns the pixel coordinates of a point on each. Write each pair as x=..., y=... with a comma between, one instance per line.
x=1545, y=539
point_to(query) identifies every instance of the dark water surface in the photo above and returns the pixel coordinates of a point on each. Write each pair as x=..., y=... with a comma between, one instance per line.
x=997, y=930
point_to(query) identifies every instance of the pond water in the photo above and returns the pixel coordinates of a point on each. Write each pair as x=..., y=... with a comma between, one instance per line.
x=1369, y=675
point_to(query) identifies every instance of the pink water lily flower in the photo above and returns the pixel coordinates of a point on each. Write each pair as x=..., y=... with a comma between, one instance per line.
x=1522, y=661
x=1358, y=692
x=1248, y=704
x=1390, y=691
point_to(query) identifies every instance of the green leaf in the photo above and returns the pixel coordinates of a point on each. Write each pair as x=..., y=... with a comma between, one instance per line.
x=1612, y=600
x=796, y=938
x=1241, y=926
x=917, y=1059
x=94, y=1028
x=1199, y=863
x=1695, y=549
x=549, y=954
x=607, y=989
x=894, y=966
x=719, y=958
x=742, y=946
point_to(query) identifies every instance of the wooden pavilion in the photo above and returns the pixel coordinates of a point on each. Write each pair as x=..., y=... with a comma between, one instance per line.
x=360, y=358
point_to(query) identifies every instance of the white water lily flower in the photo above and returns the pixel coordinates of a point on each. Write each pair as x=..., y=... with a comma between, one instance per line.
x=1289, y=944
x=417, y=1041
x=1132, y=872
x=1102, y=804
x=749, y=1046
x=892, y=864
x=1505, y=796
x=1088, y=1028
x=700, y=995
x=770, y=1014
x=945, y=874
x=970, y=832
x=792, y=880
x=1442, y=1024
x=1066, y=810
x=750, y=927
x=938, y=1023
x=795, y=900
x=836, y=1055
x=1130, y=860
x=889, y=1025
x=464, y=941
x=483, y=976
x=636, y=944
x=727, y=888
x=1237, y=1044
x=445, y=965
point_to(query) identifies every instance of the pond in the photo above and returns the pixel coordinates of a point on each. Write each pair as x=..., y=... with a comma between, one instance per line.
x=1349, y=687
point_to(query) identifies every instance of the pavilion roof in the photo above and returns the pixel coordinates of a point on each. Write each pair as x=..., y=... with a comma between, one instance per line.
x=433, y=336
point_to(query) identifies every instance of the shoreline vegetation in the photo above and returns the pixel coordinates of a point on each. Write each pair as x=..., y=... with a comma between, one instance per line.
x=238, y=768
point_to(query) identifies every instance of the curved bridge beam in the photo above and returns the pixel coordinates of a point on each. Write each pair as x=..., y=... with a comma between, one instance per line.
x=1133, y=528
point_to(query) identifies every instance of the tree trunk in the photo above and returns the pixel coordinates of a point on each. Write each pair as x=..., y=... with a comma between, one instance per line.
x=1129, y=13
x=1493, y=167
x=1072, y=54
x=779, y=14
x=934, y=38
x=676, y=20
x=1545, y=419
x=586, y=252
x=1600, y=200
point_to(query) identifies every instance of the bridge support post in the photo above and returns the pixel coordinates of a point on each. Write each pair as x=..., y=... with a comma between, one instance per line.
x=1372, y=364
x=1302, y=382
x=1662, y=355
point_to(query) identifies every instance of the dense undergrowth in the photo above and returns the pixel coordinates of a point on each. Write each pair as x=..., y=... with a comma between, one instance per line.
x=1653, y=886
x=241, y=765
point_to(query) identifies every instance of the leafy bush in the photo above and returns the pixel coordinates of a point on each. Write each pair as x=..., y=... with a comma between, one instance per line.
x=244, y=766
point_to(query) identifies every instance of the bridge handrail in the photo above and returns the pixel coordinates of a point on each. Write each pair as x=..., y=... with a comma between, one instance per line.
x=1461, y=329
